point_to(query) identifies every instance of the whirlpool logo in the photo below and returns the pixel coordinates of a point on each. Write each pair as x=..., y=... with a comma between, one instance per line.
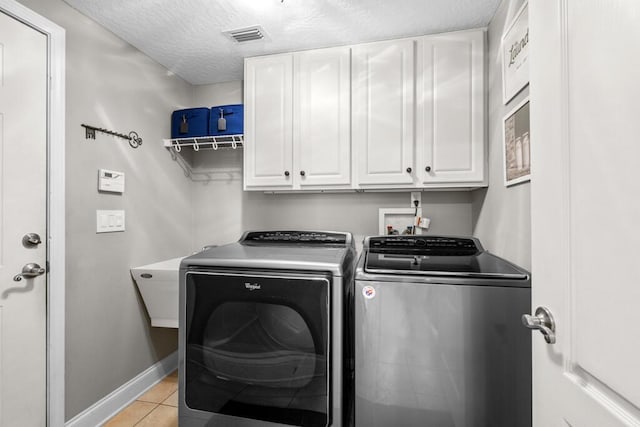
x=252, y=286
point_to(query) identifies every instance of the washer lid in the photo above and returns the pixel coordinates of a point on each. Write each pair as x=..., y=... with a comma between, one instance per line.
x=483, y=265
x=436, y=256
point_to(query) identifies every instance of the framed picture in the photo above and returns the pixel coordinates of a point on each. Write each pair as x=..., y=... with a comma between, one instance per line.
x=398, y=219
x=515, y=55
x=517, y=145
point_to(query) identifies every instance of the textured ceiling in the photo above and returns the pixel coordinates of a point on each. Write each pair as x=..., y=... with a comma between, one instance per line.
x=186, y=35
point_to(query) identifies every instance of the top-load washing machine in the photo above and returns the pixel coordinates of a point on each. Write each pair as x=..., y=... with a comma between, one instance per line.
x=438, y=336
x=261, y=325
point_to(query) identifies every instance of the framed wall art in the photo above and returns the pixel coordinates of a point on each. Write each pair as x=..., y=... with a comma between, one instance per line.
x=515, y=55
x=517, y=145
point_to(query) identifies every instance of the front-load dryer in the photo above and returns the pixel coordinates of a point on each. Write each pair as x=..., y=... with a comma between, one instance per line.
x=261, y=339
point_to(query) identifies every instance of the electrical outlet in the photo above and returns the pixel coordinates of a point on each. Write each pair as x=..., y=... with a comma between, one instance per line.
x=416, y=195
x=424, y=223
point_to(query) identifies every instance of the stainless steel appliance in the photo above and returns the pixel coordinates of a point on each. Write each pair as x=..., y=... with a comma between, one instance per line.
x=438, y=336
x=260, y=331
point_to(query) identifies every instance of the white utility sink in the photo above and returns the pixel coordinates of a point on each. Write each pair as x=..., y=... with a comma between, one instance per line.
x=158, y=284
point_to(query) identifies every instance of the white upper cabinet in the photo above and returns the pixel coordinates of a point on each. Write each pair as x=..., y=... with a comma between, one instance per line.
x=322, y=117
x=383, y=113
x=450, y=119
x=268, y=121
x=401, y=114
x=298, y=120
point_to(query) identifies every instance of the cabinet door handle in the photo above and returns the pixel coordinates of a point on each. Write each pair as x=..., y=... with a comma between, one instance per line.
x=302, y=173
x=428, y=168
x=409, y=170
x=286, y=173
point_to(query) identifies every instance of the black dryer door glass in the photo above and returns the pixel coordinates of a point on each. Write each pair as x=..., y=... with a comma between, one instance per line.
x=257, y=346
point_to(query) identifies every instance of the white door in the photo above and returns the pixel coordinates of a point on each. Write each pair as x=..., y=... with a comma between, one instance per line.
x=585, y=190
x=383, y=79
x=268, y=92
x=23, y=165
x=322, y=117
x=450, y=129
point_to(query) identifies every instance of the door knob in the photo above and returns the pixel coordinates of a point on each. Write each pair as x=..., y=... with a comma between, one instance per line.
x=31, y=240
x=542, y=321
x=28, y=271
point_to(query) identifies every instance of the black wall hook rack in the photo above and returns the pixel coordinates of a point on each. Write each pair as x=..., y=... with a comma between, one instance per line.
x=134, y=139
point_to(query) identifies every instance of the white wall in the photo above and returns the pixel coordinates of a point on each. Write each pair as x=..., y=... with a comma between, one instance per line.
x=502, y=215
x=110, y=84
x=218, y=203
x=223, y=211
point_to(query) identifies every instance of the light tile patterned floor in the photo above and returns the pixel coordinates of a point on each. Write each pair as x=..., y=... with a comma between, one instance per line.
x=158, y=407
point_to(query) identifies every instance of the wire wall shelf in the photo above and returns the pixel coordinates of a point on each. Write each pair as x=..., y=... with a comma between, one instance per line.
x=221, y=142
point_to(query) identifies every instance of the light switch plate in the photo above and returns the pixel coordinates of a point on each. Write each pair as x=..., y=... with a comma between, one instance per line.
x=109, y=221
x=111, y=181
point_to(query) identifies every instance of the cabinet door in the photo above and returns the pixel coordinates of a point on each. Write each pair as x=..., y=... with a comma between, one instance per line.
x=322, y=117
x=383, y=112
x=268, y=121
x=450, y=108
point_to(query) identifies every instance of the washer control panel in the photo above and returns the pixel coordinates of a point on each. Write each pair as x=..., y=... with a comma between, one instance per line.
x=429, y=245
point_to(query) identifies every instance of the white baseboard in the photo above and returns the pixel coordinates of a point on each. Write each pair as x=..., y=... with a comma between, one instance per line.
x=110, y=405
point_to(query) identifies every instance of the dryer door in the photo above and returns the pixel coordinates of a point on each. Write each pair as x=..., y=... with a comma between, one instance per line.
x=257, y=346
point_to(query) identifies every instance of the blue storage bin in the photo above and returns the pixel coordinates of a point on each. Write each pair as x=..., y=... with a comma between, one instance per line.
x=190, y=123
x=233, y=116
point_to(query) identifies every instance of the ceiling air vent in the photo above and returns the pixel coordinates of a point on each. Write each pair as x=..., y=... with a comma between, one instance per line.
x=248, y=34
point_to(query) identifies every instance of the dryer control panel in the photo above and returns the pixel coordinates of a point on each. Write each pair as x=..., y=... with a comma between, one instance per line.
x=296, y=237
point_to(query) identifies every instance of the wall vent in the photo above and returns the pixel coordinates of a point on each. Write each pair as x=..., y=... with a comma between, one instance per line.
x=248, y=34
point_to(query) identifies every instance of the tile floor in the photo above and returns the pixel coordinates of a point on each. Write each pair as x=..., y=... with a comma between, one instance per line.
x=158, y=407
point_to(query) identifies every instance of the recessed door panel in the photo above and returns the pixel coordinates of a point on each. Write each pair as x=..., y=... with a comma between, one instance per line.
x=585, y=209
x=322, y=125
x=450, y=108
x=383, y=112
x=268, y=121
